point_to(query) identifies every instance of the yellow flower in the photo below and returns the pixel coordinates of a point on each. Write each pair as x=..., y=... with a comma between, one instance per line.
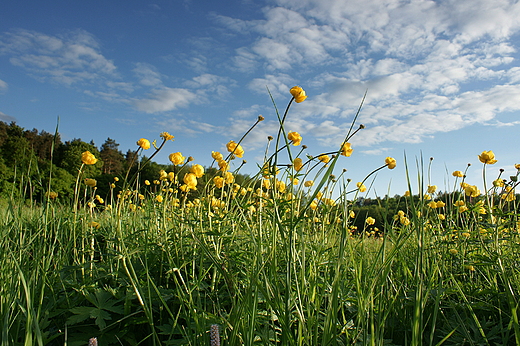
x=298, y=93
x=454, y=251
x=51, y=194
x=361, y=187
x=280, y=186
x=176, y=158
x=404, y=220
x=517, y=166
x=91, y=182
x=346, y=150
x=314, y=205
x=219, y=182
x=266, y=184
x=472, y=191
x=440, y=204
x=432, y=188
x=460, y=203
x=144, y=143
x=370, y=221
x=295, y=137
x=324, y=158
x=94, y=224
x=190, y=180
x=509, y=194
x=88, y=158
x=171, y=176
x=166, y=136
x=229, y=178
x=498, y=183
x=295, y=181
x=462, y=208
x=308, y=183
x=407, y=193
x=297, y=164
x=159, y=198
x=432, y=204
x=223, y=165
x=458, y=174
x=487, y=157
x=329, y=202
x=352, y=214
x=198, y=170
x=235, y=148
x=217, y=156
x=390, y=162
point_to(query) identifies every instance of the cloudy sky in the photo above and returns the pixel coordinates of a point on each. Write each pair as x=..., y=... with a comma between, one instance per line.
x=442, y=77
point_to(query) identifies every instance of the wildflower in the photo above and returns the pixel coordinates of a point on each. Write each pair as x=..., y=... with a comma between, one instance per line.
x=223, y=165
x=454, y=251
x=370, y=220
x=280, y=186
x=314, y=205
x=91, y=182
x=176, y=158
x=346, y=150
x=266, y=184
x=235, y=149
x=517, y=166
x=472, y=191
x=261, y=118
x=229, y=178
x=498, y=182
x=407, y=193
x=404, y=221
x=462, y=208
x=99, y=199
x=440, y=204
x=217, y=156
x=352, y=214
x=390, y=162
x=298, y=93
x=88, y=158
x=297, y=164
x=470, y=268
x=458, y=174
x=166, y=136
x=295, y=138
x=159, y=198
x=219, y=182
x=324, y=158
x=308, y=183
x=94, y=224
x=432, y=188
x=51, y=194
x=432, y=204
x=460, y=203
x=509, y=194
x=487, y=157
x=144, y=143
x=442, y=217
x=190, y=180
x=171, y=176
x=198, y=170
x=361, y=187
x=329, y=202
x=295, y=181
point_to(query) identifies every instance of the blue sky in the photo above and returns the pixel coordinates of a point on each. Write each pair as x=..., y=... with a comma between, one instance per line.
x=442, y=77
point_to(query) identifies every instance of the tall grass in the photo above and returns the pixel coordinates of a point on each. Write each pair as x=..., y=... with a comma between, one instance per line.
x=266, y=262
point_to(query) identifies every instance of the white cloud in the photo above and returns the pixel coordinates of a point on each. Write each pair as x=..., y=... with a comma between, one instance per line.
x=6, y=118
x=70, y=58
x=165, y=99
x=147, y=75
x=3, y=85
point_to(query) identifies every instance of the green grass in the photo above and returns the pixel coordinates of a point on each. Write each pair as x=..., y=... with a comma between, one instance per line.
x=268, y=266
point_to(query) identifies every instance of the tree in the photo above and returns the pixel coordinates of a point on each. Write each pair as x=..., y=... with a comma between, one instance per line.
x=112, y=158
x=70, y=158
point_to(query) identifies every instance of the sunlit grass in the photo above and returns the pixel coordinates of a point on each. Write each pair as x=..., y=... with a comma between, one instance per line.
x=285, y=257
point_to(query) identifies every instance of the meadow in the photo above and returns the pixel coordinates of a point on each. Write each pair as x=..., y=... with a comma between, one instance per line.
x=284, y=257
